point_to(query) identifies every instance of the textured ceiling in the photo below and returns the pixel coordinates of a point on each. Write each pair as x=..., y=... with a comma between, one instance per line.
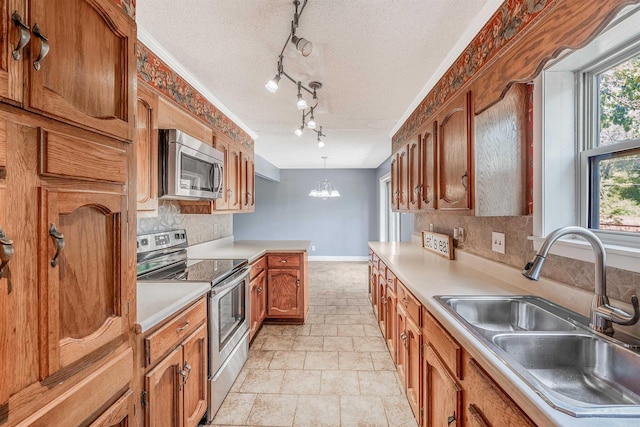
x=375, y=59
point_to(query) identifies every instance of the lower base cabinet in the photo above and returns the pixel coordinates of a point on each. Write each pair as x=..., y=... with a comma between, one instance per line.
x=175, y=382
x=444, y=385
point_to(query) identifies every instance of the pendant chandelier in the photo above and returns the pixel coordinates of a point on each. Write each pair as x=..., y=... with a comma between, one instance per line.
x=324, y=188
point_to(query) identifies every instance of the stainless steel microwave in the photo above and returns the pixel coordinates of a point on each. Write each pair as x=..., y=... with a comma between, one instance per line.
x=188, y=168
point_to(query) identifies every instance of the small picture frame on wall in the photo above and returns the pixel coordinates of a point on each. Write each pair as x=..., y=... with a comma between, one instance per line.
x=440, y=244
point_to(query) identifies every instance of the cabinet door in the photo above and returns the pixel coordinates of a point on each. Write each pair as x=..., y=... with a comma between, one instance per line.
x=375, y=276
x=11, y=13
x=382, y=305
x=428, y=149
x=261, y=297
x=414, y=182
x=83, y=304
x=233, y=178
x=243, y=181
x=413, y=366
x=401, y=343
x=253, y=308
x=395, y=184
x=403, y=179
x=163, y=385
x=251, y=184
x=443, y=395
x=4, y=290
x=284, y=293
x=147, y=149
x=391, y=322
x=87, y=75
x=455, y=176
x=222, y=203
x=195, y=383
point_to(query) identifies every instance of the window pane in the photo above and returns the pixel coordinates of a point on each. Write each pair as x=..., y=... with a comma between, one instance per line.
x=615, y=192
x=619, y=93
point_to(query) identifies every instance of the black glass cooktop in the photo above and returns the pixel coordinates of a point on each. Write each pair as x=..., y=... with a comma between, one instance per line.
x=206, y=270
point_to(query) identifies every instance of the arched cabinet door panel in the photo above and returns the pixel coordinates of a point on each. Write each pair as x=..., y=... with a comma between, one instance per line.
x=82, y=307
x=80, y=67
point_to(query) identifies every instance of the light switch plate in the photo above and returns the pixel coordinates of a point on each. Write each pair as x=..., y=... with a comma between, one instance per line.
x=497, y=242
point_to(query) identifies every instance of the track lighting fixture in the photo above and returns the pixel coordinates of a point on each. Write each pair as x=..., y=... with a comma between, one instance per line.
x=305, y=47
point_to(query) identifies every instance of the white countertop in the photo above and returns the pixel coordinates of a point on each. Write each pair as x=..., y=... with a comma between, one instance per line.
x=427, y=274
x=245, y=249
x=158, y=301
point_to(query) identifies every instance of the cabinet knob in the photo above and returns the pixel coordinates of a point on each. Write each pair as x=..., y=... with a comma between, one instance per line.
x=6, y=251
x=44, y=47
x=58, y=242
x=25, y=34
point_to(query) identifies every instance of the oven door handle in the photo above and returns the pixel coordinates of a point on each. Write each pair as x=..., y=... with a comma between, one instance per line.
x=240, y=276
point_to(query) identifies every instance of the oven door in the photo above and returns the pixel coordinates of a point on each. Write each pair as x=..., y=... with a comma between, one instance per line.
x=228, y=317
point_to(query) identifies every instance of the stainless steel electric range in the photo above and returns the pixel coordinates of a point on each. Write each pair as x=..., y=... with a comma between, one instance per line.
x=162, y=257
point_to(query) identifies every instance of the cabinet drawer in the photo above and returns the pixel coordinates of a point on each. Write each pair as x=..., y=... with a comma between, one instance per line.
x=382, y=268
x=410, y=303
x=69, y=156
x=446, y=347
x=257, y=268
x=283, y=260
x=164, y=339
x=375, y=260
x=487, y=404
x=391, y=280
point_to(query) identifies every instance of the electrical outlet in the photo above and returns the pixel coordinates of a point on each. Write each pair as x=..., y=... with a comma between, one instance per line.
x=431, y=227
x=497, y=242
x=313, y=248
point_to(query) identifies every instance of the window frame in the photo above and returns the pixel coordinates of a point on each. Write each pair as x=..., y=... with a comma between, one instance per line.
x=562, y=125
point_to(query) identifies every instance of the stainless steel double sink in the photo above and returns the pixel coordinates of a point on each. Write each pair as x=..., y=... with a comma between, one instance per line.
x=572, y=368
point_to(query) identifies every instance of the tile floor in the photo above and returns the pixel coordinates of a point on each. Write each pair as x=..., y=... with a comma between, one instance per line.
x=334, y=370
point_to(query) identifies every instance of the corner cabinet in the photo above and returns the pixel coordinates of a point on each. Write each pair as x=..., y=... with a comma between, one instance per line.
x=287, y=287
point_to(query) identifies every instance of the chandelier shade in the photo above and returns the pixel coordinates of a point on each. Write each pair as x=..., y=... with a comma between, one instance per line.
x=324, y=188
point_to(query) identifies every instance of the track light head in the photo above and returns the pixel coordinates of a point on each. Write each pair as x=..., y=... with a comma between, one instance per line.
x=320, y=143
x=299, y=131
x=303, y=45
x=272, y=85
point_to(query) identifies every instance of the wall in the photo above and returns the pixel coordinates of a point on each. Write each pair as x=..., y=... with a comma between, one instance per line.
x=406, y=219
x=199, y=227
x=339, y=227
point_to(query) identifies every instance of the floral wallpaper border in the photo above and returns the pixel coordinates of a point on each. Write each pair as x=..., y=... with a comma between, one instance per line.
x=512, y=18
x=162, y=78
x=129, y=7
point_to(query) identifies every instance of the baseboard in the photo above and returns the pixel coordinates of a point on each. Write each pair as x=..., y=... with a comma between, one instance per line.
x=339, y=258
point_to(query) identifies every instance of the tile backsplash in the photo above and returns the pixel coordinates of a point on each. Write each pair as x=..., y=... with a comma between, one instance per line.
x=621, y=284
x=200, y=228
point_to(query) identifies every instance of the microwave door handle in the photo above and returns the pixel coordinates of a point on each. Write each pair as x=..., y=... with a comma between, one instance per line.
x=220, y=183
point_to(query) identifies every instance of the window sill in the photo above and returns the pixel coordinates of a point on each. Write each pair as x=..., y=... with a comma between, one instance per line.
x=622, y=257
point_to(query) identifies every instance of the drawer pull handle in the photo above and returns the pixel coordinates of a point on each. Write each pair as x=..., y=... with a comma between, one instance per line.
x=283, y=261
x=259, y=289
x=25, y=35
x=6, y=251
x=187, y=371
x=390, y=280
x=58, y=242
x=183, y=327
x=405, y=302
x=44, y=47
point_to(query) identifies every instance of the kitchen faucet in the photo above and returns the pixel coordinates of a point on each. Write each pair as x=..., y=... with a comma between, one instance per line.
x=602, y=314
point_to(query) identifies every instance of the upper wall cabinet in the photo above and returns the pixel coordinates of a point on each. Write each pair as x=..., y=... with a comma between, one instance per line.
x=77, y=56
x=427, y=170
x=454, y=154
x=147, y=150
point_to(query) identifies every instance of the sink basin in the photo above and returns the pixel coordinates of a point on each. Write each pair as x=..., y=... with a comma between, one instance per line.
x=551, y=348
x=508, y=314
x=581, y=367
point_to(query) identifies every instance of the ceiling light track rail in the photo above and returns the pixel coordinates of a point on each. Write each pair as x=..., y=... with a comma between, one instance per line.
x=304, y=47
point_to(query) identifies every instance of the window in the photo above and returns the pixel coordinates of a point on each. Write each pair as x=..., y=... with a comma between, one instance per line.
x=587, y=145
x=610, y=152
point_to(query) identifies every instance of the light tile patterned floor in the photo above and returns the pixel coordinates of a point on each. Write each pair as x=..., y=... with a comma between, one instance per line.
x=334, y=370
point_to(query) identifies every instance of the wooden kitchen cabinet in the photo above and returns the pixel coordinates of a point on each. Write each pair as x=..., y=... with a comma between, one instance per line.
x=175, y=380
x=414, y=174
x=391, y=302
x=118, y=414
x=400, y=179
x=147, y=150
x=381, y=295
x=442, y=393
x=455, y=166
x=11, y=47
x=257, y=302
x=428, y=166
x=222, y=203
x=287, y=287
x=87, y=75
x=234, y=169
x=486, y=403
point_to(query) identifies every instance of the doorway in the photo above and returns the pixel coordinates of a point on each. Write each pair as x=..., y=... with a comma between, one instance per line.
x=389, y=220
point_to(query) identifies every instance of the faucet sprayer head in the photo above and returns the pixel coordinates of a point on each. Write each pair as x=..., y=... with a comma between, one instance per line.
x=533, y=268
